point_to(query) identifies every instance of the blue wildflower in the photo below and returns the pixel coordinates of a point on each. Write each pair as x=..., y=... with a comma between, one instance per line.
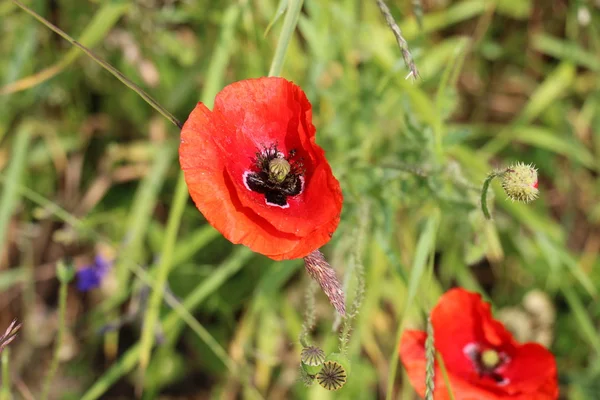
x=91, y=276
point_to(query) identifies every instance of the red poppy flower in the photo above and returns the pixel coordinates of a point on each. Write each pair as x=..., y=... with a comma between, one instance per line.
x=483, y=360
x=255, y=172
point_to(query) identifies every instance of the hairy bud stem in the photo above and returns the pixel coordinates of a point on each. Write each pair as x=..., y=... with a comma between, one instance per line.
x=320, y=270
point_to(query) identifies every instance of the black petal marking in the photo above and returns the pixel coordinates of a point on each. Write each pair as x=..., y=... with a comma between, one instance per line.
x=275, y=194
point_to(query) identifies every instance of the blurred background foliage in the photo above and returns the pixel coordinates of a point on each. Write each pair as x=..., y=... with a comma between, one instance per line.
x=87, y=167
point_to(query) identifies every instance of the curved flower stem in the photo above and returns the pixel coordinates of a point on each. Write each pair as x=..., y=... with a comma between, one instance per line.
x=62, y=326
x=147, y=98
x=289, y=26
x=484, y=190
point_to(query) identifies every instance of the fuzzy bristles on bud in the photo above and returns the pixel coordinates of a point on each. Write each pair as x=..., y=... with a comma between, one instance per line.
x=320, y=270
x=520, y=182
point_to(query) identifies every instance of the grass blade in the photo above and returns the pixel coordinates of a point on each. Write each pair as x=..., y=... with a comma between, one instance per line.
x=104, y=65
x=555, y=86
x=10, y=195
x=172, y=323
x=425, y=246
x=102, y=22
x=162, y=273
x=215, y=77
x=289, y=26
x=139, y=218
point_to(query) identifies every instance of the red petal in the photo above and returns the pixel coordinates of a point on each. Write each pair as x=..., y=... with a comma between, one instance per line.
x=217, y=147
x=210, y=189
x=532, y=369
x=268, y=111
x=412, y=355
x=459, y=319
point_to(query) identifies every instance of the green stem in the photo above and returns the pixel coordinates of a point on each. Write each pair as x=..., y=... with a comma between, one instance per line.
x=442, y=365
x=309, y=314
x=289, y=26
x=9, y=198
x=425, y=249
x=147, y=98
x=484, y=191
x=62, y=310
x=215, y=76
x=5, y=391
x=162, y=273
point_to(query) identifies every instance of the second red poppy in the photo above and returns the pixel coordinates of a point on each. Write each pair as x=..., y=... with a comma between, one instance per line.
x=483, y=360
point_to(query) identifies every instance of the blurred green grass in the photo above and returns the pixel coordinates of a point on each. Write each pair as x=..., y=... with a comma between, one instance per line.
x=85, y=162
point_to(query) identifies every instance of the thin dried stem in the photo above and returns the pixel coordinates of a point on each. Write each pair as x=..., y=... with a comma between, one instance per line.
x=402, y=43
x=418, y=10
x=430, y=362
x=320, y=270
x=117, y=74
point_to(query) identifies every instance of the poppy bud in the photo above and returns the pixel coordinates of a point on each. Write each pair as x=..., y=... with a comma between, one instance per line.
x=520, y=182
x=312, y=359
x=279, y=168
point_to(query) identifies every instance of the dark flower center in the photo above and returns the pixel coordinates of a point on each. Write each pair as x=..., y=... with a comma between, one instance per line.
x=488, y=362
x=276, y=176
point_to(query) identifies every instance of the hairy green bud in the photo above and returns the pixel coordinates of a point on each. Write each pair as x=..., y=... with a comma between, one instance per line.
x=520, y=182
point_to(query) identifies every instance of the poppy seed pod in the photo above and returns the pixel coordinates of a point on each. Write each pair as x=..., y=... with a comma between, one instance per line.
x=332, y=376
x=279, y=168
x=520, y=182
x=312, y=359
x=490, y=358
